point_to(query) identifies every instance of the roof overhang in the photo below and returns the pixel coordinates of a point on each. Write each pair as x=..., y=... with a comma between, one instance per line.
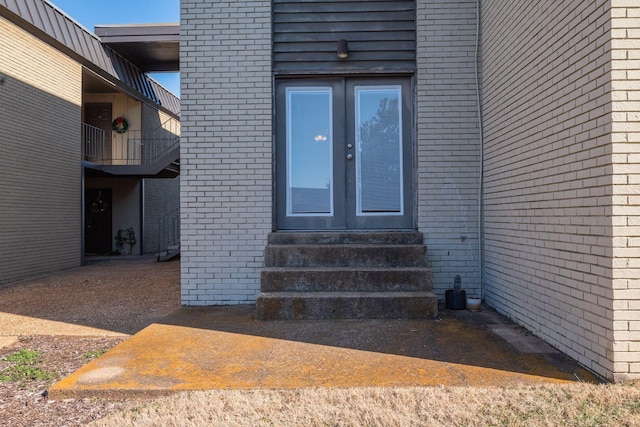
x=151, y=47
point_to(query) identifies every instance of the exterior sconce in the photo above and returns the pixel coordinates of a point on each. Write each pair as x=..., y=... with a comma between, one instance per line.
x=343, y=49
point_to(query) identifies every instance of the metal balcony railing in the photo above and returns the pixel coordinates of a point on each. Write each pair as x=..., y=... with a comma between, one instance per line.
x=93, y=139
x=133, y=147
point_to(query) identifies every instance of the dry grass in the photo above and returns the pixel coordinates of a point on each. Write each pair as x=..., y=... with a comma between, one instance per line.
x=549, y=405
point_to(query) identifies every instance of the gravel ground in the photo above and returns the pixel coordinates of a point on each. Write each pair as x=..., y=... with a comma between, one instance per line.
x=70, y=318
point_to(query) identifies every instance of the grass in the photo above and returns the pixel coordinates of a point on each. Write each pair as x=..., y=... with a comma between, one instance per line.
x=93, y=354
x=24, y=367
x=545, y=405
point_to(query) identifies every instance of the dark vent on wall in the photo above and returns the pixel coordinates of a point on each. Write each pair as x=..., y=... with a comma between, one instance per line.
x=381, y=36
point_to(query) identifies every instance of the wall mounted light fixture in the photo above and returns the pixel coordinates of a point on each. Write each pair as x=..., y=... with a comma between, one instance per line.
x=343, y=49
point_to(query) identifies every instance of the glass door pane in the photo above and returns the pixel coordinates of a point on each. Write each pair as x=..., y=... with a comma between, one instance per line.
x=379, y=165
x=309, y=151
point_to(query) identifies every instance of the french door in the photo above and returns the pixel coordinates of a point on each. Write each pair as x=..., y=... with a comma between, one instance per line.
x=344, y=154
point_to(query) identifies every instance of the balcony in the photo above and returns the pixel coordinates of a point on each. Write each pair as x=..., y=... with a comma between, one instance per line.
x=133, y=153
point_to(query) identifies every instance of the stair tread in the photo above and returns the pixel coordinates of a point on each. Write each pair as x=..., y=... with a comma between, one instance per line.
x=345, y=245
x=344, y=294
x=351, y=236
x=345, y=255
x=345, y=268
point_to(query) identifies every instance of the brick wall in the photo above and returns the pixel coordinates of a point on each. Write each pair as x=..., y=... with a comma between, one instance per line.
x=40, y=181
x=448, y=141
x=548, y=163
x=226, y=148
x=161, y=196
x=625, y=76
x=155, y=122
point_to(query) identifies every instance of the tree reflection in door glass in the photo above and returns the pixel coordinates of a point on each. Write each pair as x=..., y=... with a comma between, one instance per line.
x=378, y=137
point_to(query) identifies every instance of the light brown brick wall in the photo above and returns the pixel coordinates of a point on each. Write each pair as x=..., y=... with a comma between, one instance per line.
x=40, y=177
x=625, y=72
x=548, y=172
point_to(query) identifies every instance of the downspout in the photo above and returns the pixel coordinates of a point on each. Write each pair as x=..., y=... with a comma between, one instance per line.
x=82, y=215
x=143, y=214
x=481, y=128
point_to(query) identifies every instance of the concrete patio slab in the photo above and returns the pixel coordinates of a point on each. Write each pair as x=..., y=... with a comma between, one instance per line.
x=226, y=348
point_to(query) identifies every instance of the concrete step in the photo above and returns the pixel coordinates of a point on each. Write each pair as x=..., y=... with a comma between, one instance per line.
x=345, y=255
x=346, y=275
x=342, y=279
x=172, y=252
x=346, y=237
x=346, y=305
x=167, y=255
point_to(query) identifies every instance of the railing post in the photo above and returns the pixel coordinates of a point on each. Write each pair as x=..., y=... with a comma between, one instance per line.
x=93, y=139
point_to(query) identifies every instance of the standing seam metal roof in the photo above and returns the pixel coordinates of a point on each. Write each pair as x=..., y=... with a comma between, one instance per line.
x=60, y=28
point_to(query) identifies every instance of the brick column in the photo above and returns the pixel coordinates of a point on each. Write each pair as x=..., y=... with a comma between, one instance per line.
x=226, y=148
x=625, y=118
x=448, y=140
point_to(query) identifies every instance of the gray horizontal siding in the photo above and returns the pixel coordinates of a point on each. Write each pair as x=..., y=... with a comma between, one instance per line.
x=381, y=35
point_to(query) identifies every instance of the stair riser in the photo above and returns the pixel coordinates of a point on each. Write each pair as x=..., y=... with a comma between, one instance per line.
x=304, y=280
x=388, y=307
x=345, y=256
x=346, y=275
x=344, y=237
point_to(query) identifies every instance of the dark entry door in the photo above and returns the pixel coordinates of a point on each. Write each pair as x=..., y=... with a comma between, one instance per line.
x=98, y=221
x=99, y=116
x=344, y=154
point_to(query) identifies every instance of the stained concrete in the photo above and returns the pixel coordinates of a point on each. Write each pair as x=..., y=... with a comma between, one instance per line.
x=346, y=275
x=226, y=348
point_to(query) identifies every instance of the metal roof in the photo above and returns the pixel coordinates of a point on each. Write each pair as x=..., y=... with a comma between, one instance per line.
x=44, y=20
x=167, y=99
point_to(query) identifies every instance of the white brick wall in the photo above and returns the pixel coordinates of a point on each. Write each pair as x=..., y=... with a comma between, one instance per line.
x=226, y=148
x=226, y=62
x=548, y=173
x=625, y=86
x=40, y=180
x=448, y=141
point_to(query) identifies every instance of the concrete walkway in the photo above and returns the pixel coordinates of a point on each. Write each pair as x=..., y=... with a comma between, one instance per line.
x=225, y=348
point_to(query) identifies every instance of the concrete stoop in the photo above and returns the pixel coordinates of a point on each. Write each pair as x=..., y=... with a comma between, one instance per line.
x=345, y=275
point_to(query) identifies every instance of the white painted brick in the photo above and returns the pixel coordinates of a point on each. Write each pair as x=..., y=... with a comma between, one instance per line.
x=226, y=117
x=448, y=141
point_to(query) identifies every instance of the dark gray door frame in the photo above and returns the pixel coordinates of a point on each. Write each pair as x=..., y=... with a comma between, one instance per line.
x=344, y=216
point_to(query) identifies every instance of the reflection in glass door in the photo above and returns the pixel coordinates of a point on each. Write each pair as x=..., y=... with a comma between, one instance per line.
x=379, y=150
x=309, y=152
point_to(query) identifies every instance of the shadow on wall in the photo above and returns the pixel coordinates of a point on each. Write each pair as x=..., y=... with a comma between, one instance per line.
x=40, y=143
